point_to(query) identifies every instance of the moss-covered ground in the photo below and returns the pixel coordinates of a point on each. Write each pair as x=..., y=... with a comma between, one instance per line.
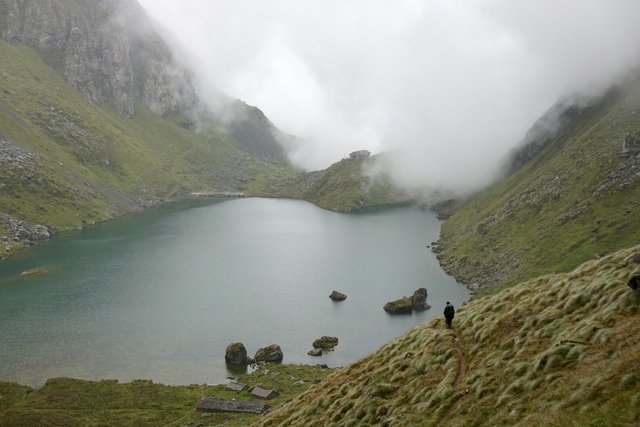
x=71, y=402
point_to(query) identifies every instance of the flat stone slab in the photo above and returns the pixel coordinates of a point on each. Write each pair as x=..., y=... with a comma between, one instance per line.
x=216, y=404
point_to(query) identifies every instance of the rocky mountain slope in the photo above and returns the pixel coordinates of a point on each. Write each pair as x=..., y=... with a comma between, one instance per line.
x=112, y=53
x=559, y=350
x=65, y=162
x=573, y=194
x=98, y=118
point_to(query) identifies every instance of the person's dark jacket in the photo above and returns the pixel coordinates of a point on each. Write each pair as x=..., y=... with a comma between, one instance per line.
x=449, y=311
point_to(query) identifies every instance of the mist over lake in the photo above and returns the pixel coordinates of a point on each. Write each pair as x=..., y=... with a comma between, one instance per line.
x=159, y=295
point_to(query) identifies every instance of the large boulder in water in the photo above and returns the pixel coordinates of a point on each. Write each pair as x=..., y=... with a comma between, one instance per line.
x=419, y=299
x=337, y=296
x=325, y=343
x=271, y=353
x=236, y=354
x=399, y=306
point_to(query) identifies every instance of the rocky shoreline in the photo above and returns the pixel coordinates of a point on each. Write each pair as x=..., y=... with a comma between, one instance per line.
x=20, y=234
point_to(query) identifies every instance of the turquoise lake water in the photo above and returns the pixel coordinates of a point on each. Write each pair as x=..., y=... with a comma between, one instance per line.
x=159, y=295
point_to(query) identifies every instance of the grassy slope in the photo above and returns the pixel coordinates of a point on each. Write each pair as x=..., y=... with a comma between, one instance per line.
x=558, y=350
x=344, y=186
x=69, y=402
x=93, y=163
x=577, y=198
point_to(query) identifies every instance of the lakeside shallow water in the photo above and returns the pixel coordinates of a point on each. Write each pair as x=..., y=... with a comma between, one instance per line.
x=159, y=295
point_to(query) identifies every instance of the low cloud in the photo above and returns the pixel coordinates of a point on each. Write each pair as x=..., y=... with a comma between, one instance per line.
x=448, y=87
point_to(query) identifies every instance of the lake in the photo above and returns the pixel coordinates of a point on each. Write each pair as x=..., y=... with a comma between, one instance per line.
x=159, y=295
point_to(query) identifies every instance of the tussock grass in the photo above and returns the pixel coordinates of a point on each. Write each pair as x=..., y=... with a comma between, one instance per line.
x=557, y=350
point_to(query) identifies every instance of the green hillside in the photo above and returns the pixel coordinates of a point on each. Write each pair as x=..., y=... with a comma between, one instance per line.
x=345, y=186
x=81, y=163
x=559, y=350
x=576, y=197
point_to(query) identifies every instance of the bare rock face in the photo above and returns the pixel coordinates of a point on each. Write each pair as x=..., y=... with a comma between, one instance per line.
x=106, y=49
x=236, y=354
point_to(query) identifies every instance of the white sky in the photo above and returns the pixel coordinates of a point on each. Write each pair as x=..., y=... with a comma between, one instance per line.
x=453, y=83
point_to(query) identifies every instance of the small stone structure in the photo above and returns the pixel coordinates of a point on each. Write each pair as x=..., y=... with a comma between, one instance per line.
x=263, y=393
x=235, y=386
x=215, y=404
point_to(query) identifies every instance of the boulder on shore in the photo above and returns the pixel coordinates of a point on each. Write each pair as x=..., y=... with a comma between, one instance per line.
x=337, y=296
x=326, y=343
x=272, y=354
x=236, y=354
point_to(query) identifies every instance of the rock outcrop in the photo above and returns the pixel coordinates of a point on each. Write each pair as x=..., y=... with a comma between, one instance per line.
x=337, y=296
x=419, y=299
x=325, y=342
x=272, y=354
x=236, y=354
x=399, y=306
x=22, y=232
x=406, y=305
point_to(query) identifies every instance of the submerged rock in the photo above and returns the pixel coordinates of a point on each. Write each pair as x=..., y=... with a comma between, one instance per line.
x=272, y=353
x=315, y=352
x=337, y=296
x=236, y=354
x=326, y=343
x=34, y=272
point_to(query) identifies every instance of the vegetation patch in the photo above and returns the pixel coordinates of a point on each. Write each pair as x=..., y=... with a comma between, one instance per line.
x=71, y=402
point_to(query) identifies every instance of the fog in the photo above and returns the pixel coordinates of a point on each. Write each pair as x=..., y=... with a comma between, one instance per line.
x=447, y=86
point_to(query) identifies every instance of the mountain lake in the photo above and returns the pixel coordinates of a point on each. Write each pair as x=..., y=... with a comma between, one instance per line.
x=160, y=294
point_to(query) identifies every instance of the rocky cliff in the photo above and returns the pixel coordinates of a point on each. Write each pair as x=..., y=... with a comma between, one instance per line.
x=112, y=53
x=106, y=49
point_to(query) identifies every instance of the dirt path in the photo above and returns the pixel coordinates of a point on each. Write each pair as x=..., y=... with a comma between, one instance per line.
x=462, y=363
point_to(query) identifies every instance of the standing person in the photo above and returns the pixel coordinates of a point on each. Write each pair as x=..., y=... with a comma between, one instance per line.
x=449, y=313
